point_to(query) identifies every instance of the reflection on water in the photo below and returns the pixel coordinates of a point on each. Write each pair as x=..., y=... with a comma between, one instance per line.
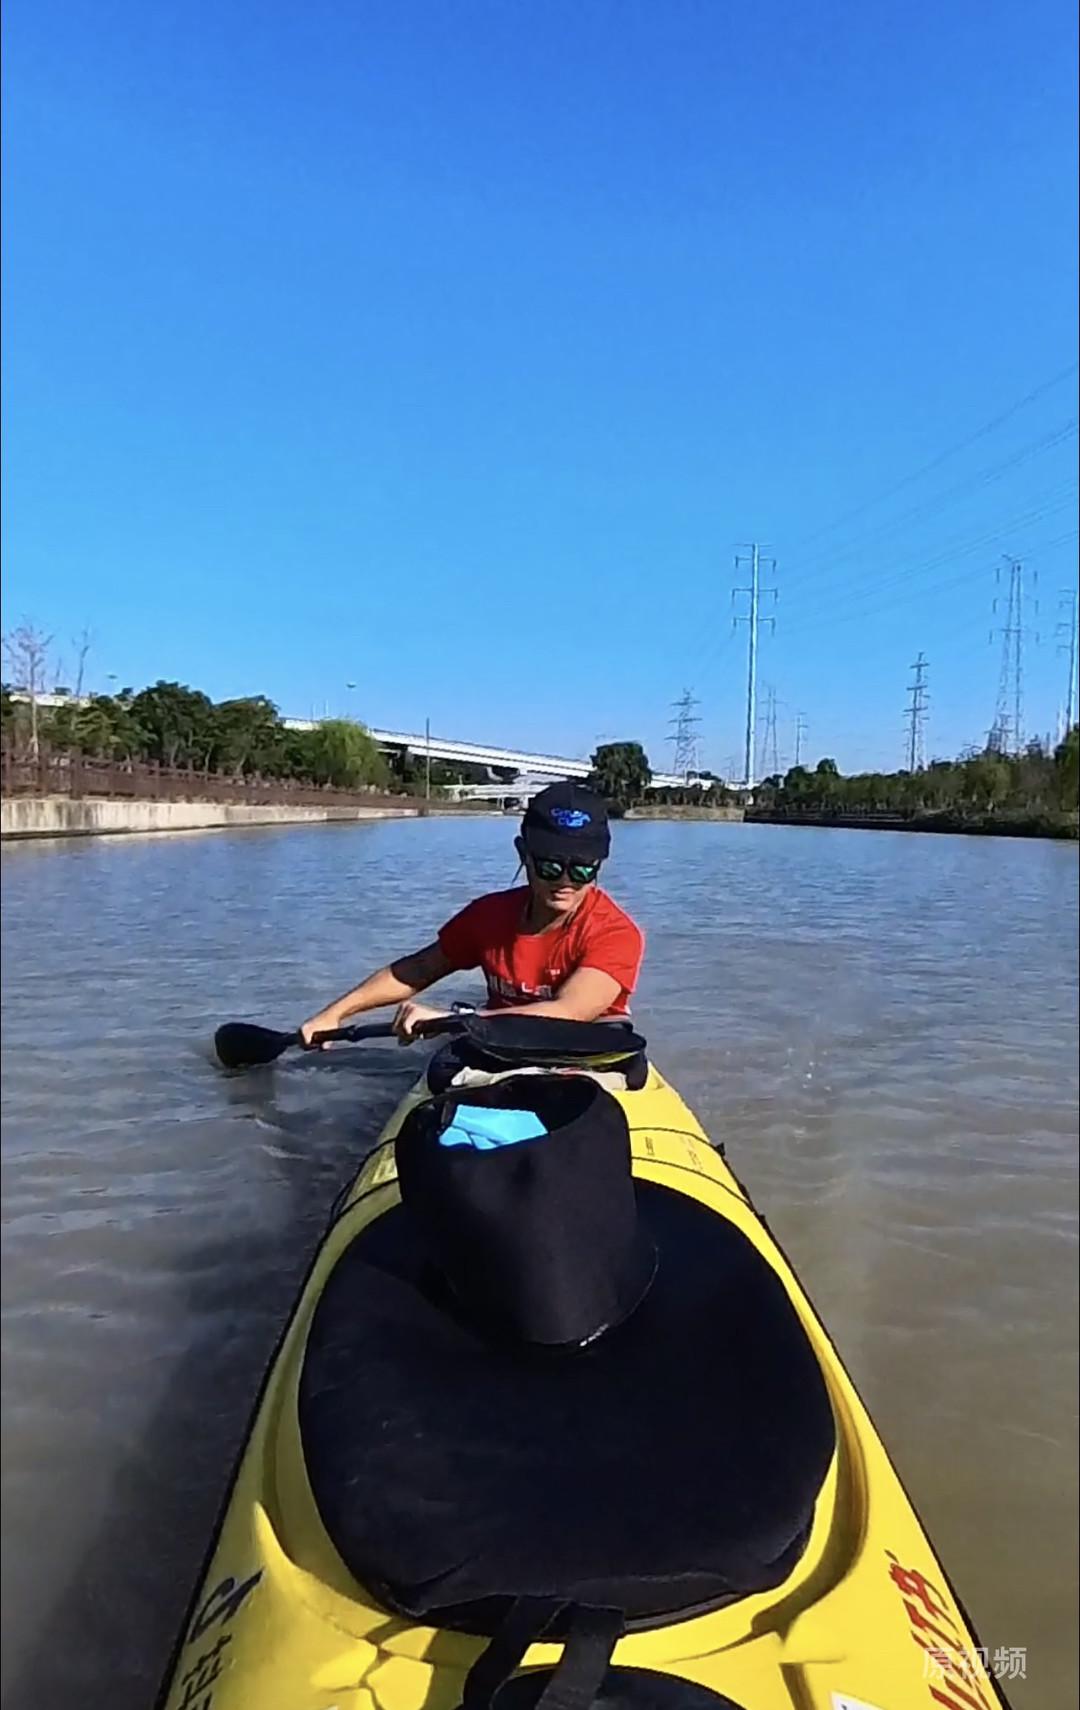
x=882, y=1028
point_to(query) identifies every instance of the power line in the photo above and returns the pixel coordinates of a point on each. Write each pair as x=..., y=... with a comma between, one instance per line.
x=712, y=648
x=916, y=716
x=711, y=653
x=951, y=451
x=825, y=617
x=753, y=620
x=684, y=736
x=895, y=571
x=941, y=501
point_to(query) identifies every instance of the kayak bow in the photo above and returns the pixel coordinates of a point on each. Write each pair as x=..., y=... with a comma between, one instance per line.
x=856, y=1613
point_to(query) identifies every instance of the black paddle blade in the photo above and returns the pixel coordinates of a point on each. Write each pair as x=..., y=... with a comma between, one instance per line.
x=242, y=1045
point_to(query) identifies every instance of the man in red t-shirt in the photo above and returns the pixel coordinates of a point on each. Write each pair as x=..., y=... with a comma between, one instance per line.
x=556, y=946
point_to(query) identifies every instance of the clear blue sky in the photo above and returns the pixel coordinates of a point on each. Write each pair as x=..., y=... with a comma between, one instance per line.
x=452, y=348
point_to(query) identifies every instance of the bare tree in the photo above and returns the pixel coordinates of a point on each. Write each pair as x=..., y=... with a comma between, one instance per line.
x=82, y=645
x=27, y=651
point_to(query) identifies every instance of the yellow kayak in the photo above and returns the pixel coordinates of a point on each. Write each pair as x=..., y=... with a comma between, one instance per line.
x=806, y=1581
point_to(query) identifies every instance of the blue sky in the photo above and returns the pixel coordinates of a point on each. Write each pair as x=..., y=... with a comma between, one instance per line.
x=453, y=349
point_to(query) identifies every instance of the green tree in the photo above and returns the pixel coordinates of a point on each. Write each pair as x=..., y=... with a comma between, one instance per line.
x=938, y=785
x=58, y=727
x=620, y=772
x=110, y=719
x=1032, y=786
x=248, y=736
x=1034, y=783
x=102, y=727
x=1067, y=770
x=876, y=792
x=986, y=782
x=176, y=724
x=341, y=753
x=825, y=787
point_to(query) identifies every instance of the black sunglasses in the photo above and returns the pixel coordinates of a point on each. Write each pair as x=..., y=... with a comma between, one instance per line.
x=578, y=872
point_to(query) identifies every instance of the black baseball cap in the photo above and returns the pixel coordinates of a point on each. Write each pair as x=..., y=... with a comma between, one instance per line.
x=567, y=822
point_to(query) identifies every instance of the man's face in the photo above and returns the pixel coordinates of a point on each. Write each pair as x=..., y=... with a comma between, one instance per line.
x=561, y=892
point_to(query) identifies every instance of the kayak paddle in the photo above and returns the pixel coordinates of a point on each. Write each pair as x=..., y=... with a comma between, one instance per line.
x=242, y=1045
x=514, y=1040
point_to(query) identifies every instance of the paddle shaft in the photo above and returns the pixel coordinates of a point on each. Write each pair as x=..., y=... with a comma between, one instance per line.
x=373, y=1030
x=382, y=1030
x=242, y=1045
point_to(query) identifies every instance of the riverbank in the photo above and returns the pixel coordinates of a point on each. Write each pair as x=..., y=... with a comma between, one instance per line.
x=728, y=815
x=25, y=817
x=1061, y=827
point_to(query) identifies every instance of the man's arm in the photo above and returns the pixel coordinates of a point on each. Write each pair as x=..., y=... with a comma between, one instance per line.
x=584, y=995
x=395, y=984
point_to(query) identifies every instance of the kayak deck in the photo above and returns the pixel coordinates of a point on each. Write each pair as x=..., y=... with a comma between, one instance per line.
x=865, y=1619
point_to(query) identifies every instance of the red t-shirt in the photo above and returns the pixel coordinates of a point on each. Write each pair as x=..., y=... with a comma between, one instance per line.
x=528, y=967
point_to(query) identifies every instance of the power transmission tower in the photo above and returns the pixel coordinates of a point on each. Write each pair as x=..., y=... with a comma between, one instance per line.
x=916, y=716
x=774, y=751
x=800, y=732
x=684, y=736
x=1007, y=735
x=770, y=754
x=1067, y=628
x=754, y=620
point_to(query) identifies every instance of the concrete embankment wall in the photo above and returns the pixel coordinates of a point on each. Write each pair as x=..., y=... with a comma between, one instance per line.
x=721, y=813
x=59, y=816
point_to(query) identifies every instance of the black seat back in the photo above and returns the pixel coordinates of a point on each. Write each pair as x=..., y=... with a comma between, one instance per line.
x=538, y=1241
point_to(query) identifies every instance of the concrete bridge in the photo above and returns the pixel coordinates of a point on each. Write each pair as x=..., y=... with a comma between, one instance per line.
x=421, y=744
x=532, y=770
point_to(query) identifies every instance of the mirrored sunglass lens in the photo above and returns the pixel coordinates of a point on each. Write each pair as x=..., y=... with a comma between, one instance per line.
x=579, y=872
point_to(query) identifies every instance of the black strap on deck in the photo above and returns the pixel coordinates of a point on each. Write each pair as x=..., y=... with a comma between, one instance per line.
x=591, y=1637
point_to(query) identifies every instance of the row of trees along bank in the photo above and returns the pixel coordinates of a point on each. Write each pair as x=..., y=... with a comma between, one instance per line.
x=174, y=725
x=1035, y=791
x=177, y=726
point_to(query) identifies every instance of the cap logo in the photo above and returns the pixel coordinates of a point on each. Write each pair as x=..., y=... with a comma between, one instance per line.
x=571, y=819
